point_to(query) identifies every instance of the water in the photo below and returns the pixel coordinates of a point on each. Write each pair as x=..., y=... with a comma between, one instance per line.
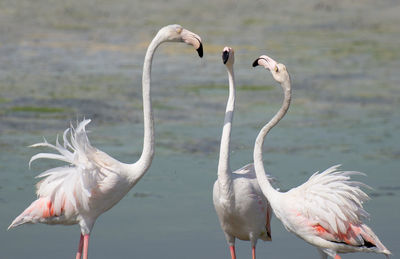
x=63, y=61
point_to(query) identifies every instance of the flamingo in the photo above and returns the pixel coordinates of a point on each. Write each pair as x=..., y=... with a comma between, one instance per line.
x=325, y=211
x=94, y=182
x=242, y=209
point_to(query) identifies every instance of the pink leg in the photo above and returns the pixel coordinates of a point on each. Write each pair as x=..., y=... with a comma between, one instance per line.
x=233, y=253
x=337, y=256
x=85, y=246
x=79, y=253
x=253, y=252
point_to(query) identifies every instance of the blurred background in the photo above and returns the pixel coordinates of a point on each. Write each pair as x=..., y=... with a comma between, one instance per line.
x=61, y=61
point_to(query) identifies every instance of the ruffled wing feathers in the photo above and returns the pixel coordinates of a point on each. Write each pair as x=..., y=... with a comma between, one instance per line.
x=332, y=200
x=249, y=169
x=85, y=170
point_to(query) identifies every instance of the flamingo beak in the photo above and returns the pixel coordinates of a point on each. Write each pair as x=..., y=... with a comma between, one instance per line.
x=225, y=56
x=255, y=63
x=266, y=62
x=200, y=50
x=194, y=40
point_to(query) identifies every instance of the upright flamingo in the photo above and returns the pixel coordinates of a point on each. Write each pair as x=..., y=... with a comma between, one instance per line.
x=326, y=211
x=94, y=182
x=242, y=209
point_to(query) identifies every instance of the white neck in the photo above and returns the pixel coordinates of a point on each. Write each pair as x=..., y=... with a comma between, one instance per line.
x=262, y=178
x=224, y=171
x=138, y=169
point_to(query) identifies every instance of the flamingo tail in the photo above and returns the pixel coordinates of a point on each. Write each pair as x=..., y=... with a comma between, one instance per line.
x=38, y=211
x=370, y=238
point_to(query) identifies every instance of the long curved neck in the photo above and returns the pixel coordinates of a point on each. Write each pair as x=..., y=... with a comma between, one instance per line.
x=224, y=171
x=262, y=178
x=142, y=165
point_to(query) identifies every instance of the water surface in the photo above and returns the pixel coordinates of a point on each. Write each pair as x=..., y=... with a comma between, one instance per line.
x=62, y=62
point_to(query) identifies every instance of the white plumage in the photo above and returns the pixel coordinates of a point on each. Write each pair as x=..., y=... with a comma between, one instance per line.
x=332, y=199
x=327, y=210
x=247, y=215
x=93, y=182
x=242, y=209
x=65, y=192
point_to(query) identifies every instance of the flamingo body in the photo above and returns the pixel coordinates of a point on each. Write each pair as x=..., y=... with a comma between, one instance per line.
x=93, y=182
x=247, y=217
x=325, y=211
x=242, y=209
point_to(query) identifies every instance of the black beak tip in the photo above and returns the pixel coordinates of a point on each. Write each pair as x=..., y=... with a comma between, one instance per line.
x=225, y=56
x=255, y=63
x=200, y=50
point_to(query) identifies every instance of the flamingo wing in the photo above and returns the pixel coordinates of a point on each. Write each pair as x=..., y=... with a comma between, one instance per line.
x=332, y=200
x=332, y=205
x=66, y=190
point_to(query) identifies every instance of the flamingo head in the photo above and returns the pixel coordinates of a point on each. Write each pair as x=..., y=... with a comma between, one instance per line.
x=278, y=70
x=177, y=33
x=228, y=56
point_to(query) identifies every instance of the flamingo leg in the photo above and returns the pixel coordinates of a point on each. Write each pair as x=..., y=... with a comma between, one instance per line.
x=80, y=247
x=85, y=246
x=233, y=253
x=253, y=252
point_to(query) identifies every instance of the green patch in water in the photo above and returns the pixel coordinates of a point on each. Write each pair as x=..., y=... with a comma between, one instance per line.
x=197, y=88
x=379, y=51
x=162, y=106
x=252, y=21
x=256, y=87
x=36, y=109
x=71, y=26
x=4, y=100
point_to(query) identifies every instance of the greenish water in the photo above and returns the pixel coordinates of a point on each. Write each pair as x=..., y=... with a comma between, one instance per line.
x=63, y=61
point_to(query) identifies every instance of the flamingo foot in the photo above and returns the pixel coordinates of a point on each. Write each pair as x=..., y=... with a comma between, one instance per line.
x=233, y=253
x=80, y=247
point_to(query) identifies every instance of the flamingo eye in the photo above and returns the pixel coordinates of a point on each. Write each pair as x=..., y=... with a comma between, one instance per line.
x=179, y=30
x=276, y=69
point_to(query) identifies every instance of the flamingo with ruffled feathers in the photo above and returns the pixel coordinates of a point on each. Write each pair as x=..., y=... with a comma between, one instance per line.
x=242, y=209
x=325, y=211
x=93, y=182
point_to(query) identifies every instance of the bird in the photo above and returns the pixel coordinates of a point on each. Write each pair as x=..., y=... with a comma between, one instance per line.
x=327, y=210
x=242, y=209
x=92, y=182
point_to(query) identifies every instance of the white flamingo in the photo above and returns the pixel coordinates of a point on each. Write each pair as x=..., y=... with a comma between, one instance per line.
x=94, y=182
x=242, y=210
x=326, y=211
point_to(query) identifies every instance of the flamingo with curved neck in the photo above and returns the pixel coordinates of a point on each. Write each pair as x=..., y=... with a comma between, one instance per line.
x=242, y=210
x=325, y=211
x=94, y=182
